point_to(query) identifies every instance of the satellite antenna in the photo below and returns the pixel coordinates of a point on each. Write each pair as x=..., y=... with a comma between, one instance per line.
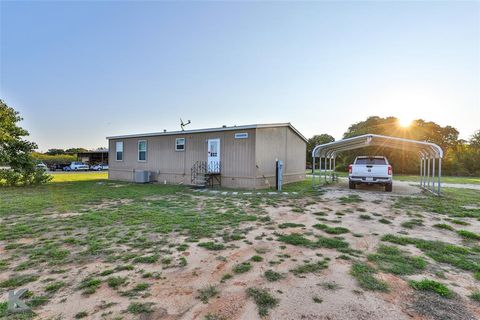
x=183, y=125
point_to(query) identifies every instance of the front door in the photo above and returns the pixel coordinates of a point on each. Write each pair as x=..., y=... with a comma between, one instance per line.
x=213, y=155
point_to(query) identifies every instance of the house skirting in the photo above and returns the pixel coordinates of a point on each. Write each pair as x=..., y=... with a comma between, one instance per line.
x=259, y=182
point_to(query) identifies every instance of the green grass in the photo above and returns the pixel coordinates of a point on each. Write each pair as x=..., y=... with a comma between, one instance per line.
x=295, y=239
x=17, y=281
x=242, y=267
x=416, y=178
x=256, y=258
x=263, y=299
x=393, y=260
x=445, y=179
x=443, y=226
x=321, y=242
x=468, y=235
x=213, y=246
x=89, y=285
x=139, y=308
x=54, y=287
x=451, y=203
x=433, y=286
x=78, y=176
x=146, y=259
x=412, y=223
x=206, y=293
x=365, y=276
x=331, y=230
x=115, y=282
x=226, y=277
x=385, y=221
x=290, y=225
x=272, y=276
x=353, y=198
x=475, y=296
x=311, y=267
x=81, y=314
x=365, y=217
x=464, y=258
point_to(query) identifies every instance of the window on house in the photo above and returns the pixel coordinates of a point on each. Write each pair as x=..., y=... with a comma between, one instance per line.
x=119, y=150
x=142, y=150
x=179, y=144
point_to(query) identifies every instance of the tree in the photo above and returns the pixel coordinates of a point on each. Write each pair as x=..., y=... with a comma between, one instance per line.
x=75, y=150
x=475, y=140
x=316, y=140
x=403, y=162
x=55, y=152
x=15, y=152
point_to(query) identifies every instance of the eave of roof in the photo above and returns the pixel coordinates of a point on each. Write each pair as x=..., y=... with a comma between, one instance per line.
x=243, y=127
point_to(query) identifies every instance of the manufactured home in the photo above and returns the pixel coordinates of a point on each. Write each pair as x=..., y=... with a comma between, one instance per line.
x=233, y=157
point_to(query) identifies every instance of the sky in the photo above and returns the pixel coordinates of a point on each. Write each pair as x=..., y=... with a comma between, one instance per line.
x=80, y=71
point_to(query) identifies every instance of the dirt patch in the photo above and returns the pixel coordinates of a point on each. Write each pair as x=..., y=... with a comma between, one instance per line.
x=432, y=306
x=110, y=203
x=174, y=291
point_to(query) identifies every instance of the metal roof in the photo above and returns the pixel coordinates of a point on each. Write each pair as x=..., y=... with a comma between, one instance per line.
x=425, y=149
x=243, y=127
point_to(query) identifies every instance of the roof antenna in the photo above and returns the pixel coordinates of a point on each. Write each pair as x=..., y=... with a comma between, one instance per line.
x=183, y=125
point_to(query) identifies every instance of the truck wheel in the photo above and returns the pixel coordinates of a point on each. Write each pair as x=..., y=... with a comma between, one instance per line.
x=351, y=185
x=388, y=187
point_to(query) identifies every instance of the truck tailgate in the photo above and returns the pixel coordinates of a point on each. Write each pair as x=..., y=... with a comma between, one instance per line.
x=369, y=170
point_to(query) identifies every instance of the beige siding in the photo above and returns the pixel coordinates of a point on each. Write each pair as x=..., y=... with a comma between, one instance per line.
x=236, y=155
x=279, y=143
x=246, y=163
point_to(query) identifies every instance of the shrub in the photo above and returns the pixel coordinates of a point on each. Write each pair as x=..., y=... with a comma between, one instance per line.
x=365, y=277
x=310, y=267
x=431, y=285
x=206, y=293
x=212, y=246
x=242, y=267
x=263, y=299
x=272, y=276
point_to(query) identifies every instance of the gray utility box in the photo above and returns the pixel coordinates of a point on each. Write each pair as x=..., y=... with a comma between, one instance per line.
x=142, y=176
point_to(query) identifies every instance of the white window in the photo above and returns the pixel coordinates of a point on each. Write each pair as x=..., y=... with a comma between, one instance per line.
x=179, y=144
x=119, y=150
x=142, y=150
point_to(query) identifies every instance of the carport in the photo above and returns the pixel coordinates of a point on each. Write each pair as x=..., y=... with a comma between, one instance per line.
x=429, y=154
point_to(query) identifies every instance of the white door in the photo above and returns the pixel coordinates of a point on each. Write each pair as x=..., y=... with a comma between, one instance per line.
x=214, y=155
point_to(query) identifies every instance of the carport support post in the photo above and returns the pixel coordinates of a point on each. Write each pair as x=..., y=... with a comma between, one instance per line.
x=313, y=171
x=334, y=158
x=439, y=173
x=425, y=177
x=325, y=167
x=433, y=174
x=330, y=165
x=428, y=172
x=421, y=177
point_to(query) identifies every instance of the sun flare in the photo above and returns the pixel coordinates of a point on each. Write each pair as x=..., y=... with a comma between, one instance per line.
x=404, y=122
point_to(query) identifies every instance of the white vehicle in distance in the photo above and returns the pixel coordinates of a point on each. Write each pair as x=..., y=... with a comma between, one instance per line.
x=76, y=166
x=370, y=170
x=42, y=166
x=99, y=167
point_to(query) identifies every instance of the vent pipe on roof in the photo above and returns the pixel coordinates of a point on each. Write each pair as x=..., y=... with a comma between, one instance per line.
x=224, y=126
x=164, y=130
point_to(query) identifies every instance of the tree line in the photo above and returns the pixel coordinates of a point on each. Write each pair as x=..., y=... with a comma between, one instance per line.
x=461, y=157
x=18, y=158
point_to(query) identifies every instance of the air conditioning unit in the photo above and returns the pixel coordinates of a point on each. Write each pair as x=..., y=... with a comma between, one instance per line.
x=142, y=176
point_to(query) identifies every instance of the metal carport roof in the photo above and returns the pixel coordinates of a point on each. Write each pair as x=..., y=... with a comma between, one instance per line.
x=426, y=150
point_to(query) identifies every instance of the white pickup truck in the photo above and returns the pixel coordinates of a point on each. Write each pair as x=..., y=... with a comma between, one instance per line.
x=370, y=170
